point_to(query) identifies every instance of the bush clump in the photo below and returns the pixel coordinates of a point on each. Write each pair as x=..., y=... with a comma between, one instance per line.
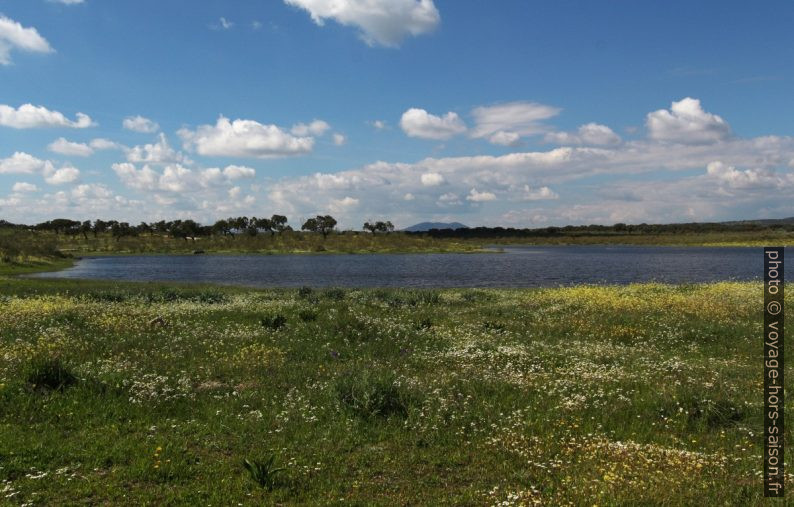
x=372, y=394
x=719, y=412
x=49, y=373
x=334, y=294
x=307, y=315
x=107, y=296
x=172, y=296
x=423, y=297
x=274, y=322
x=210, y=297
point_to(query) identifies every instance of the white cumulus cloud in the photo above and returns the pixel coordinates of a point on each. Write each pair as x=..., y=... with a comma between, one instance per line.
x=505, y=123
x=592, y=134
x=342, y=205
x=65, y=147
x=71, y=148
x=88, y=190
x=417, y=122
x=432, y=179
x=28, y=116
x=159, y=152
x=235, y=172
x=748, y=178
x=244, y=138
x=140, y=124
x=449, y=199
x=22, y=163
x=66, y=174
x=315, y=128
x=105, y=144
x=476, y=196
x=381, y=22
x=22, y=186
x=686, y=122
x=15, y=36
x=505, y=138
x=177, y=178
x=539, y=194
x=143, y=179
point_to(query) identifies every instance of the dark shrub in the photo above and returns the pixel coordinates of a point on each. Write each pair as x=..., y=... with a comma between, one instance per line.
x=50, y=373
x=477, y=296
x=111, y=296
x=719, y=412
x=307, y=315
x=273, y=322
x=423, y=297
x=210, y=297
x=424, y=324
x=264, y=472
x=349, y=327
x=334, y=294
x=490, y=325
x=163, y=296
x=373, y=394
x=170, y=296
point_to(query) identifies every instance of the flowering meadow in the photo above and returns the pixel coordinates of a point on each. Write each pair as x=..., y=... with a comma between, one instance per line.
x=159, y=394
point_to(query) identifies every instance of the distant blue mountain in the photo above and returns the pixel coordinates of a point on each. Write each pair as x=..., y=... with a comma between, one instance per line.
x=426, y=226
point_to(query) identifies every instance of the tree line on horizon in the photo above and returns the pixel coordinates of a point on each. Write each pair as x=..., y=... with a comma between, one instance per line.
x=185, y=229
x=616, y=229
x=326, y=224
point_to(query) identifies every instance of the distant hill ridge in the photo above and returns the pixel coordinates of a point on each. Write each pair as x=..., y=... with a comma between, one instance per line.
x=426, y=226
x=762, y=221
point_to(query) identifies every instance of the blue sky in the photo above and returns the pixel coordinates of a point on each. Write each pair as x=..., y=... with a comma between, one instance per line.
x=509, y=113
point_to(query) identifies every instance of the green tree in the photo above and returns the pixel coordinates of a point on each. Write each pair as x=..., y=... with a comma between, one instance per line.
x=120, y=229
x=222, y=227
x=85, y=228
x=310, y=225
x=263, y=224
x=323, y=224
x=278, y=223
x=99, y=226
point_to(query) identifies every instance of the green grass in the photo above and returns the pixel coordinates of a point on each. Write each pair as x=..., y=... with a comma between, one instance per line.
x=159, y=394
x=23, y=252
x=287, y=242
x=28, y=266
x=721, y=239
x=27, y=250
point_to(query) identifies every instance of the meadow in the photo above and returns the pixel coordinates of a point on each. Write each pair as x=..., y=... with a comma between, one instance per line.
x=32, y=250
x=162, y=394
x=17, y=244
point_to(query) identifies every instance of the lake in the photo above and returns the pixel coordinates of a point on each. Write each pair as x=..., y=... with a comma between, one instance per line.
x=514, y=267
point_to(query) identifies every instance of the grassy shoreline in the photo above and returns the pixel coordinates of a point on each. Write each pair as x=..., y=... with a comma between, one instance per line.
x=43, y=244
x=56, y=256
x=35, y=266
x=156, y=393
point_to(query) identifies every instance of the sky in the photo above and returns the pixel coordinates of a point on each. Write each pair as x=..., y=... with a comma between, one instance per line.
x=506, y=113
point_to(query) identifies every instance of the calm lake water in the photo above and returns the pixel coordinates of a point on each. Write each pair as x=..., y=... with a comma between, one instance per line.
x=515, y=267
